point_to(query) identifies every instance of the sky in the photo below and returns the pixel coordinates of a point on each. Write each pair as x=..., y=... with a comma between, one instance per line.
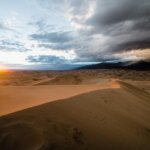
x=62, y=34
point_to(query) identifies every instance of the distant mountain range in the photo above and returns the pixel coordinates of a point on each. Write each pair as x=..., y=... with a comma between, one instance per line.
x=140, y=65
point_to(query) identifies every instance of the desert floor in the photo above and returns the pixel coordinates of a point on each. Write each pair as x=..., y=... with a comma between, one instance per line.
x=75, y=110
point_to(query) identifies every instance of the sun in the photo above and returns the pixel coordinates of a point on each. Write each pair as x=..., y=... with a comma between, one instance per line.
x=2, y=68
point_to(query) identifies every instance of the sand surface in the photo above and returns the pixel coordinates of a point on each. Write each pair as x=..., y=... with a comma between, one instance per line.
x=107, y=114
x=16, y=98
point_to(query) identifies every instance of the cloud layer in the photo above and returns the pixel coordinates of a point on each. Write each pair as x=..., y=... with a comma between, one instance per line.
x=112, y=26
x=44, y=59
x=98, y=30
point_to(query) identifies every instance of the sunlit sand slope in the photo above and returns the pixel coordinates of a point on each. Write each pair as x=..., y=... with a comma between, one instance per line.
x=14, y=98
x=108, y=119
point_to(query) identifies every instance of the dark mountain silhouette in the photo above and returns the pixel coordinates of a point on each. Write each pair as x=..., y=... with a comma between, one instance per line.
x=140, y=65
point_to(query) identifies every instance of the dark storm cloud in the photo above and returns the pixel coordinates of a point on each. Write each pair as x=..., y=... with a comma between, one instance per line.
x=111, y=12
x=53, y=37
x=45, y=59
x=120, y=25
x=131, y=45
x=127, y=19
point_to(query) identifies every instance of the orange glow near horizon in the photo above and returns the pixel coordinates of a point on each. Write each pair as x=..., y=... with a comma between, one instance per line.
x=3, y=69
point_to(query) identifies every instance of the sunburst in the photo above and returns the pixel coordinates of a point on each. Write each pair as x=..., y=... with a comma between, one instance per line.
x=2, y=68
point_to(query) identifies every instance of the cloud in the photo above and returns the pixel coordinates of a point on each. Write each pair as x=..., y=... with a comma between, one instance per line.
x=135, y=54
x=11, y=45
x=41, y=25
x=44, y=62
x=2, y=26
x=6, y=25
x=46, y=59
x=112, y=26
x=53, y=37
x=57, y=46
x=49, y=37
x=94, y=30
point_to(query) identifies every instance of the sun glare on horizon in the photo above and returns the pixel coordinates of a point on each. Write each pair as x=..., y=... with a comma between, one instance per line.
x=3, y=68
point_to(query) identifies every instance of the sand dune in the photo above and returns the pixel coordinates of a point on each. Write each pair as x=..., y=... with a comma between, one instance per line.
x=64, y=80
x=14, y=98
x=104, y=119
x=26, y=78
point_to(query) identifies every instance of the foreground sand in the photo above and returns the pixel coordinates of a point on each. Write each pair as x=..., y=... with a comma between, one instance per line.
x=104, y=114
